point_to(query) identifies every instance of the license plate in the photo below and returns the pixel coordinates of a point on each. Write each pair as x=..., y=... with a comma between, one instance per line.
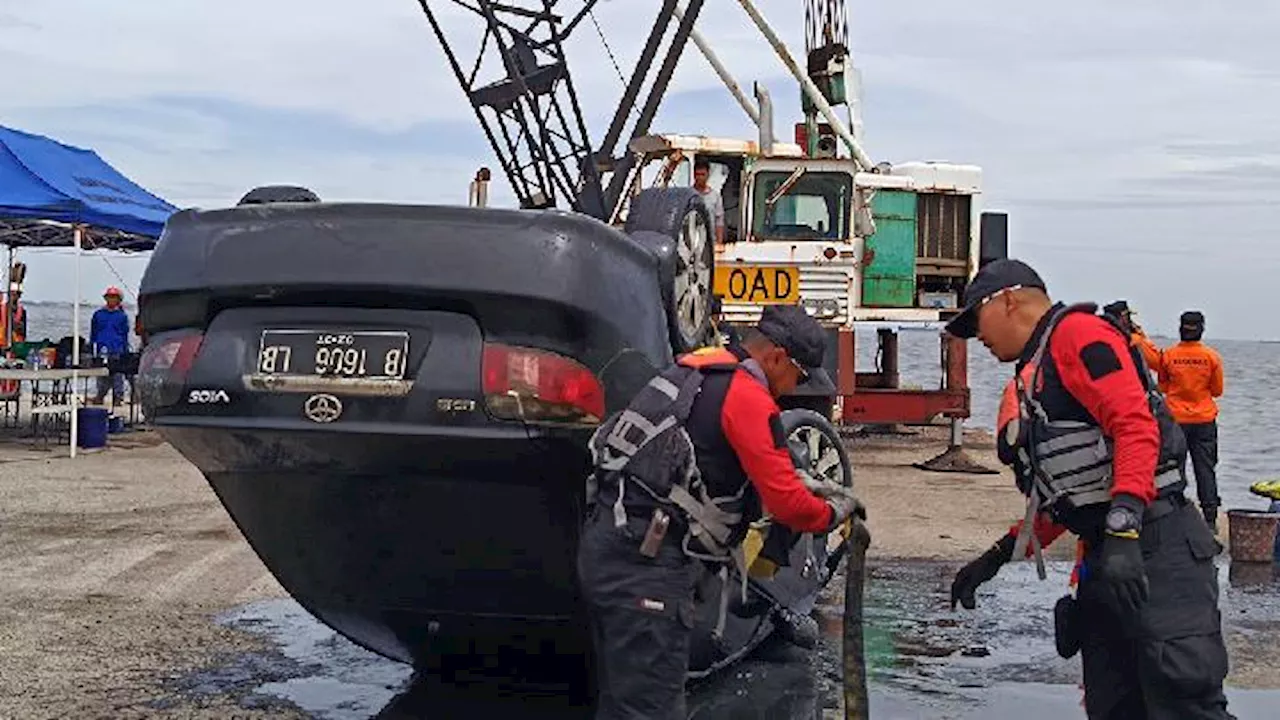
x=758, y=284
x=341, y=354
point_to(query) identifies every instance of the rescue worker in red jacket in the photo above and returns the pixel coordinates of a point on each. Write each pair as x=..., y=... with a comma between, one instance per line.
x=679, y=475
x=1098, y=454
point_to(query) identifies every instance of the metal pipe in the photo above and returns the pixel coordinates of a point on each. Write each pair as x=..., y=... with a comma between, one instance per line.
x=641, y=71
x=74, y=395
x=721, y=70
x=765, y=120
x=859, y=155
x=613, y=194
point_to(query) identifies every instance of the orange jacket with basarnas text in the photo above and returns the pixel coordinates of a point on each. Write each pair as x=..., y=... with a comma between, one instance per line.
x=1190, y=375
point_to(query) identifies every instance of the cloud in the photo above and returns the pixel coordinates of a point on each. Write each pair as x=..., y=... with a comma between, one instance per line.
x=1133, y=144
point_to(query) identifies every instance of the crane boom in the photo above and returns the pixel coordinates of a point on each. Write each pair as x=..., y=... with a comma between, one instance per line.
x=519, y=85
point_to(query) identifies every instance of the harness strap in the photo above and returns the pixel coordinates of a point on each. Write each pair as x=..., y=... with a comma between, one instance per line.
x=1027, y=534
x=620, y=510
x=704, y=517
x=739, y=558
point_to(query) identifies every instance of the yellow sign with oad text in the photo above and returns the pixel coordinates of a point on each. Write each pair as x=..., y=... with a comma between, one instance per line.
x=757, y=284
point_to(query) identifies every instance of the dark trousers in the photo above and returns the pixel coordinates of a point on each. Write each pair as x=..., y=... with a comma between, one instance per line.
x=641, y=614
x=1202, y=447
x=1170, y=660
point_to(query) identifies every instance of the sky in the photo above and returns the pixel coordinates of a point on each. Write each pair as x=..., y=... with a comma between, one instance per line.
x=1133, y=145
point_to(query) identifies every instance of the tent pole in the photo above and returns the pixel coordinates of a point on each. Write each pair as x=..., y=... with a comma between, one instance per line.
x=8, y=283
x=75, y=349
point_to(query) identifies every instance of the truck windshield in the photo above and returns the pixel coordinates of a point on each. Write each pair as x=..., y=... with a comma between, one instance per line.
x=817, y=206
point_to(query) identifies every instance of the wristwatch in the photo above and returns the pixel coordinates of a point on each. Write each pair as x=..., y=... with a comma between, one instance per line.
x=1123, y=521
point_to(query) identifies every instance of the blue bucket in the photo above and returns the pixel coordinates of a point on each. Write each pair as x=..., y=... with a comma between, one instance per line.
x=115, y=424
x=92, y=430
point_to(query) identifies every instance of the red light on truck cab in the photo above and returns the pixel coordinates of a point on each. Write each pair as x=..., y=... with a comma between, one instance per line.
x=802, y=137
x=539, y=386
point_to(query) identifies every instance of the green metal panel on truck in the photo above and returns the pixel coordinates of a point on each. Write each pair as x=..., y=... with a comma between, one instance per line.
x=889, y=276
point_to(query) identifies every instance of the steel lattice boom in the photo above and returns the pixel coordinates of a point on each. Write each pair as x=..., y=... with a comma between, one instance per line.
x=519, y=84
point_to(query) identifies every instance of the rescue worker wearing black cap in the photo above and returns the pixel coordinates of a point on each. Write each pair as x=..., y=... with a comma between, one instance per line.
x=1191, y=375
x=679, y=476
x=1097, y=453
x=1123, y=315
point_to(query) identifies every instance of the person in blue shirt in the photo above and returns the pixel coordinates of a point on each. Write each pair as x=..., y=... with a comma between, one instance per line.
x=109, y=336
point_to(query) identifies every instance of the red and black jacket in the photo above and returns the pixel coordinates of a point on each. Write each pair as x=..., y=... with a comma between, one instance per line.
x=736, y=429
x=1088, y=375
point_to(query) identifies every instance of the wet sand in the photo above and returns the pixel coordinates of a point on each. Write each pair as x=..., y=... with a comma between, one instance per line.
x=118, y=569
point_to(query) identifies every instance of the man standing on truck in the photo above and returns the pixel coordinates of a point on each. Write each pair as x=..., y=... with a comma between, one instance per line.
x=710, y=196
x=1097, y=453
x=679, y=475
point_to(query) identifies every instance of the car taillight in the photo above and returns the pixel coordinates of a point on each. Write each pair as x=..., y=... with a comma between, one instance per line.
x=163, y=368
x=539, y=386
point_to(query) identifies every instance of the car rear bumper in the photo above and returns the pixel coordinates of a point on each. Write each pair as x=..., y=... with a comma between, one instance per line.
x=401, y=541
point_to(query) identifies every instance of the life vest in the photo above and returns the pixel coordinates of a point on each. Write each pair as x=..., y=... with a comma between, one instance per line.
x=645, y=451
x=19, y=323
x=1067, y=464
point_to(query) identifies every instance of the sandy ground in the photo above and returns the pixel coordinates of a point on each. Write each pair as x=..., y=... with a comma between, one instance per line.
x=113, y=564
x=916, y=514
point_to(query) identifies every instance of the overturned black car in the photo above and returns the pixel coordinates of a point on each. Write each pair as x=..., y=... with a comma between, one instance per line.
x=393, y=402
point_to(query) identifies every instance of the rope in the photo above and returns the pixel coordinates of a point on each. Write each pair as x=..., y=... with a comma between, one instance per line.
x=123, y=284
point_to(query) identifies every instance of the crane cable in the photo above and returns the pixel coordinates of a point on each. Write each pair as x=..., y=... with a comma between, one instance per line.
x=609, y=50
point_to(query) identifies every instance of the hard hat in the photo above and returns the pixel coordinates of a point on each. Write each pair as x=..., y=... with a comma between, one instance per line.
x=113, y=290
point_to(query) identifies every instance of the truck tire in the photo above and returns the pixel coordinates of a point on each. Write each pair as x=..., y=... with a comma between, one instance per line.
x=686, y=256
x=816, y=446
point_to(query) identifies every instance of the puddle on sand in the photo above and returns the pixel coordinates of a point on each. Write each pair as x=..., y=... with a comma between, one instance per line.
x=924, y=660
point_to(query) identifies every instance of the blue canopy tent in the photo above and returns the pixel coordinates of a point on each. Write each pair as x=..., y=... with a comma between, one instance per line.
x=48, y=188
x=57, y=195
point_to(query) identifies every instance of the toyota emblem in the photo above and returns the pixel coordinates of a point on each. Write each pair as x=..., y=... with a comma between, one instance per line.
x=323, y=408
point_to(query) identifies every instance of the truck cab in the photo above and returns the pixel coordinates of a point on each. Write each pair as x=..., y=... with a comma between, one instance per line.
x=894, y=245
x=806, y=242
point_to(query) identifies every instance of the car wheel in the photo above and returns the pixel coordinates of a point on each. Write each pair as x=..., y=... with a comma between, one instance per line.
x=267, y=194
x=687, y=257
x=816, y=446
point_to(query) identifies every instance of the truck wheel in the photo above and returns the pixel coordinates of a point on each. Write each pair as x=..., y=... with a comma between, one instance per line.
x=816, y=446
x=686, y=257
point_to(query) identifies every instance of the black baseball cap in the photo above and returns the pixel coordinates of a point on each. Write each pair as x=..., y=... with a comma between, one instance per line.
x=1118, y=307
x=1192, y=318
x=792, y=329
x=995, y=276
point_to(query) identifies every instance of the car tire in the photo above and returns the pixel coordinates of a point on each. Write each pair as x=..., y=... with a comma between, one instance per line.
x=267, y=194
x=816, y=446
x=675, y=224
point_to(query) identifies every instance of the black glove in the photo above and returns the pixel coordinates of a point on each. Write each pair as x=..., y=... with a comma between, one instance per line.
x=1122, y=555
x=980, y=571
x=843, y=503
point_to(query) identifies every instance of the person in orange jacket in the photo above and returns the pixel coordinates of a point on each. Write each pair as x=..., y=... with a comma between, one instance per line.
x=1191, y=377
